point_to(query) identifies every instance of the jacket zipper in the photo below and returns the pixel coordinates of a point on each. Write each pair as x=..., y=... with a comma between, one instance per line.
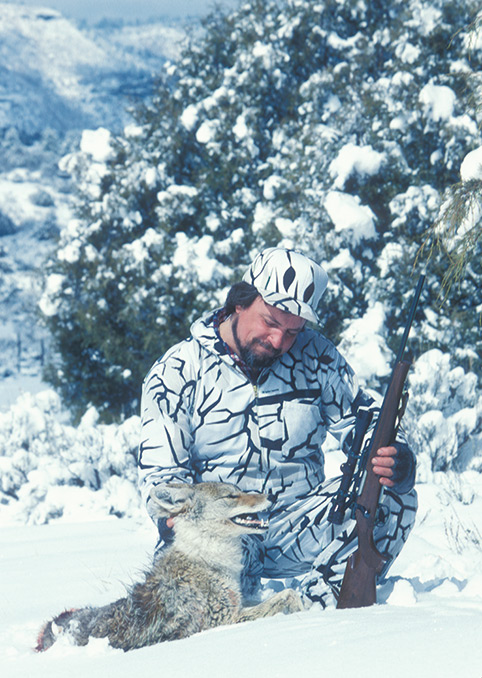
x=263, y=461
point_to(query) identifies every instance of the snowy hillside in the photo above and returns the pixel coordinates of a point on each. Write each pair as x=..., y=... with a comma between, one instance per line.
x=56, y=79
x=55, y=75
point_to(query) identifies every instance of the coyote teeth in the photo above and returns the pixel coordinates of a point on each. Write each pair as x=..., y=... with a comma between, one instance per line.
x=251, y=520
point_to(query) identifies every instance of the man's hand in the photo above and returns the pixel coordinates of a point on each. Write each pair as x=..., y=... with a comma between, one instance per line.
x=383, y=465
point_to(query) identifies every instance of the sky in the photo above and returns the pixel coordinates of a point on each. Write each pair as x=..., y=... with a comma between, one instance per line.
x=94, y=10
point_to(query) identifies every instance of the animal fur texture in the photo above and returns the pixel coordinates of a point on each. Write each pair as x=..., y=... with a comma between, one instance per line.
x=195, y=582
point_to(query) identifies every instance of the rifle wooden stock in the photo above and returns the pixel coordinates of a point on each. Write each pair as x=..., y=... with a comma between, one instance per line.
x=359, y=583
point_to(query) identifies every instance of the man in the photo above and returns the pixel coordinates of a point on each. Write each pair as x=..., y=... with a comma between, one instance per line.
x=249, y=399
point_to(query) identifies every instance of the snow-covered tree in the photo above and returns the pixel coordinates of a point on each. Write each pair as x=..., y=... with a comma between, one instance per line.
x=332, y=126
x=444, y=416
x=458, y=230
x=395, y=119
x=50, y=469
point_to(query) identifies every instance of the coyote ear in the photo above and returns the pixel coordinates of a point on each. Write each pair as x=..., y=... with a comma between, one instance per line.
x=171, y=498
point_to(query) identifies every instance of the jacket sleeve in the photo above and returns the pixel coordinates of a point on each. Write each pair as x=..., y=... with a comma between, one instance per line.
x=164, y=450
x=342, y=399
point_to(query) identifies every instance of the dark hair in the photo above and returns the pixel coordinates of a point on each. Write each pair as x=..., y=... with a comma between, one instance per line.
x=241, y=294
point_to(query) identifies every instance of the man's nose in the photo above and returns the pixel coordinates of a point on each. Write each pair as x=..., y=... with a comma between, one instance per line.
x=276, y=338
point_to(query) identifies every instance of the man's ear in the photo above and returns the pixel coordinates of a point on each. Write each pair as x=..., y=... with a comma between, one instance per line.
x=171, y=498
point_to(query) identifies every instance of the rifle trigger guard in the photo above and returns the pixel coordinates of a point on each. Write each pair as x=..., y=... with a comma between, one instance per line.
x=358, y=507
x=382, y=515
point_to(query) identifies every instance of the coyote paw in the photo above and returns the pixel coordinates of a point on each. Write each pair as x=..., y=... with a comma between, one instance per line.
x=50, y=631
x=291, y=601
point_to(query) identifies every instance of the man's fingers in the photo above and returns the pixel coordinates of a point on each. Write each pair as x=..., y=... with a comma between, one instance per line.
x=387, y=451
x=382, y=470
x=384, y=459
x=384, y=462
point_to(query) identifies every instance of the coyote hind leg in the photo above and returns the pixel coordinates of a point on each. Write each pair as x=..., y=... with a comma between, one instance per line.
x=287, y=601
x=53, y=629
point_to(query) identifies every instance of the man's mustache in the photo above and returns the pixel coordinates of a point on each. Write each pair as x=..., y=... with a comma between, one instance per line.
x=275, y=352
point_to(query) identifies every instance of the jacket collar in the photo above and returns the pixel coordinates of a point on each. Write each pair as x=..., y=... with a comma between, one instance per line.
x=206, y=331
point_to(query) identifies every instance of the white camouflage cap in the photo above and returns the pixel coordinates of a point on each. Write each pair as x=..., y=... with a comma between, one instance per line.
x=288, y=280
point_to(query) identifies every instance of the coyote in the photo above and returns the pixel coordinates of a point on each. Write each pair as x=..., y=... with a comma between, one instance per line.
x=193, y=585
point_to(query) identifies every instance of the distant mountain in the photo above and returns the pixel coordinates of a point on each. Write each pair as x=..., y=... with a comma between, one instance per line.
x=56, y=79
x=54, y=75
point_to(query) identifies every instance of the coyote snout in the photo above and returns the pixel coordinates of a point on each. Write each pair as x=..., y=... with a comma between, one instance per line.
x=193, y=585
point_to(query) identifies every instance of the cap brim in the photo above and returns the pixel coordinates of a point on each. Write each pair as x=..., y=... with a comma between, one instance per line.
x=290, y=305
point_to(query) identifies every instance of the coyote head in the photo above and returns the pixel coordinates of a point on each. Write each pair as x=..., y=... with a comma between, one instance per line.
x=215, y=508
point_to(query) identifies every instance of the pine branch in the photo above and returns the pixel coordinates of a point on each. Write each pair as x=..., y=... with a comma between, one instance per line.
x=457, y=231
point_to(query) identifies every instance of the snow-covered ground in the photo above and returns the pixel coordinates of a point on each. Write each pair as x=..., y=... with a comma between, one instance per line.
x=62, y=547
x=428, y=622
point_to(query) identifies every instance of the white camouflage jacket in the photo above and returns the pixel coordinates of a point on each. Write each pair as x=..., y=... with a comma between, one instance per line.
x=203, y=419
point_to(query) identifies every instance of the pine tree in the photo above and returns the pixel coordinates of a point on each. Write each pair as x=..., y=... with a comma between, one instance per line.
x=396, y=122
x=333, y=127
x=457, y=231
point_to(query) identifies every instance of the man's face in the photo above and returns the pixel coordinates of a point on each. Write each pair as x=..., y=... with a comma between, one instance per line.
x=262, y=332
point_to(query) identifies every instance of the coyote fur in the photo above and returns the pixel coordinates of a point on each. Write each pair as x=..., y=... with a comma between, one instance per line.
x=193, y=585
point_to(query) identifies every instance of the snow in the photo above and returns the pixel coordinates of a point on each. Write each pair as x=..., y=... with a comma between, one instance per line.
x=97, y=144
x=286, y=227
x=62, y=547
x=342, y=260
x=427, y=622
x=363, y=344
x=207, y=131
x=363, y=160
x=48, y=303
x=428, y=19
x=446, y=408
x=408, y=53
x=240, y=128
x=138, y=251
x=18, y=189
x=347, y=213
x=439, y=101
x=195, y=255
x=262, y=216
x=471, y=167
x=189, y=117
x=45, y=35
x=470, y=170
x=42, y=91
x=265, y=53
x=12, y=388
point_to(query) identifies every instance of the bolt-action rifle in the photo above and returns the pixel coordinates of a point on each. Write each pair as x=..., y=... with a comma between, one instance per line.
x=365, y=564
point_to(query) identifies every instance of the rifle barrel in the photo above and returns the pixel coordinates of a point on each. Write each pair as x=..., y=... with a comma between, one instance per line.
x=411, y=314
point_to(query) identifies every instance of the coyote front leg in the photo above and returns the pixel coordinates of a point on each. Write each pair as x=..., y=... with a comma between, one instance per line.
x=287, y=601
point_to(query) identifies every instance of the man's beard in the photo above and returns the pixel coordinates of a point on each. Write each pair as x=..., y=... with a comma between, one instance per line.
x=249, y=356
